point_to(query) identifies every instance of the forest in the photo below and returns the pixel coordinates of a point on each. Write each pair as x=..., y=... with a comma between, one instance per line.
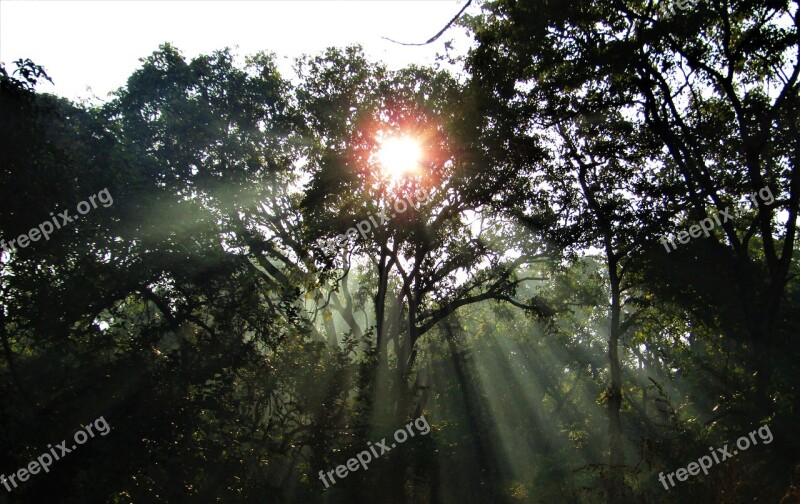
x=566, y=271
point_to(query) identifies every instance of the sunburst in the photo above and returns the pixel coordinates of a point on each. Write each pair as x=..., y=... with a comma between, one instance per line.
x=399, y=156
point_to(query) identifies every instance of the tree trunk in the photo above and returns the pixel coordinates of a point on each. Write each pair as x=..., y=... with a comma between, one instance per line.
x=617, y=481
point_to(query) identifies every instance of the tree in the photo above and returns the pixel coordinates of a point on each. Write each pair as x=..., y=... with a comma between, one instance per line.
x=708, y=98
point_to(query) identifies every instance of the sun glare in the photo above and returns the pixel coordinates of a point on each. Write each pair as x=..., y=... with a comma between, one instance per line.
x=399, y=156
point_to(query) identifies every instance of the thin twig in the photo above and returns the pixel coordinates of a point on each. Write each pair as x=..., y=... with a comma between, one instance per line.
x=435, y=37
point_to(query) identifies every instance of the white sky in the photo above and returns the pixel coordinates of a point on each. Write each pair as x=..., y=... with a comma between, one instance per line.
x=98, y=44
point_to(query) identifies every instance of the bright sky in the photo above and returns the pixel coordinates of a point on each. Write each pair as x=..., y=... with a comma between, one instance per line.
x=98, y=44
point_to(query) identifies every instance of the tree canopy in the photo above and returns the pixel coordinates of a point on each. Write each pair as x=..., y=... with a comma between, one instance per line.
x=584, y=278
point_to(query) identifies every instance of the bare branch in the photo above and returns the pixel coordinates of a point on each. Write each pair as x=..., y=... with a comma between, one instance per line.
x=435, y=37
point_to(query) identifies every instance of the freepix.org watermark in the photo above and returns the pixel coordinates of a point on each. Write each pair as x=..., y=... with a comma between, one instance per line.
x=709, y=223
x=46, y=459
x=670, y=5
x=46, y=228
x=705, y=462
x=365, y=226
x=366, y=456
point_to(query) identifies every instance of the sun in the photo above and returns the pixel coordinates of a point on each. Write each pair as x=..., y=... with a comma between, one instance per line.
x=399, y=156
